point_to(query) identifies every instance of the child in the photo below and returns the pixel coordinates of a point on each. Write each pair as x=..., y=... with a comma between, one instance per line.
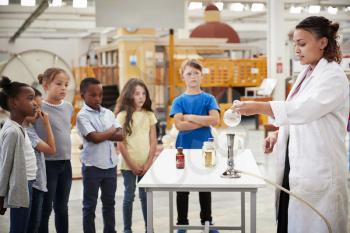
x=138, y=149
x=41, y=147
x=194, y=112
x=17, y=158
x=98, y=127
x=58, y=167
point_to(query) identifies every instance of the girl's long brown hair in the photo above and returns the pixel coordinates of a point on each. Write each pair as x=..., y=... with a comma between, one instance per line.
x=125, y=102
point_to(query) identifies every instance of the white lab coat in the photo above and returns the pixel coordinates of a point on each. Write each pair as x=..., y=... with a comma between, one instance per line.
x=315, y=120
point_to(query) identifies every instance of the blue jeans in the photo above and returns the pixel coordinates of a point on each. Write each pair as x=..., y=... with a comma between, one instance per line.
x=19, y=217
x=93, y=179
x=129, y=195
x=36, y=210
x=59, y=182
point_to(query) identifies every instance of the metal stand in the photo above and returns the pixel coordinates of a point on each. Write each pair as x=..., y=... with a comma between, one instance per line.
x=230, y=171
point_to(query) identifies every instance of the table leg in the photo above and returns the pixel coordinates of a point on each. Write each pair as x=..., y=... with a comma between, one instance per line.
x=171, y=212
x=253, y=211
x=243, y=212
x=149, y=211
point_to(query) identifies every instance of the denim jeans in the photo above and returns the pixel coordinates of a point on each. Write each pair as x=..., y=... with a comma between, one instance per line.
x=129, y=195
x=59, y=182
x=182, y=207
x=93, y=179
x=19, y=217
x=36, y=210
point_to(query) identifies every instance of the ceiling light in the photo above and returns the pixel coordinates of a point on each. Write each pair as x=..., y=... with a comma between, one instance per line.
x=79, y=3
x=195, y=5
x=295, y=9
x=332, y=10
x=237, y=7
x=4, y=2
x=258, y=7
x=56, y=3
x=314, y=9
x=219, y=5
x=27, y=2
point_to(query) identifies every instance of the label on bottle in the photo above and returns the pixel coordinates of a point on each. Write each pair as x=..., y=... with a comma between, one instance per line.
x=180, y=161
x=208, y=159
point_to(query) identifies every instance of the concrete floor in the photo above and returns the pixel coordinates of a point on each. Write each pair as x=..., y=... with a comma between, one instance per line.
x=226, y=206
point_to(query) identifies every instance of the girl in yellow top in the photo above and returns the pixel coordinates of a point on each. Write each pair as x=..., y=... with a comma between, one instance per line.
x=135, y=114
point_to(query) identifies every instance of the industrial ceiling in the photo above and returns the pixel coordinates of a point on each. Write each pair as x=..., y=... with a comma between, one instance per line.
x=247, y=17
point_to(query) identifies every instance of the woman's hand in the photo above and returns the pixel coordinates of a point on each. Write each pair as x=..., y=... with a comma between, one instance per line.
x=245, y=108
x=270, y=142
x=248, y=108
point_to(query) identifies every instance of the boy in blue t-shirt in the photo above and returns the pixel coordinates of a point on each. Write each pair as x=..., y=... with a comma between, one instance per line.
x=194, y=112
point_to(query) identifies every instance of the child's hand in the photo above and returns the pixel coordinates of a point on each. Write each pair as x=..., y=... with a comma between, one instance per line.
x=44, y=116
x=145, y=168
x=2, y=209
x=118, y=135
x=136, y=169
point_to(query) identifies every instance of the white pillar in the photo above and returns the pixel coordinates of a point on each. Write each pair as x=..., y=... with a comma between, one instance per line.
x=184, y=33
x=103, y=41
x=277, y=36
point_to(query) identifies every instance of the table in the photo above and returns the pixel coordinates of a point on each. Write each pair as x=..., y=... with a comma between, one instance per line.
x=163, y=176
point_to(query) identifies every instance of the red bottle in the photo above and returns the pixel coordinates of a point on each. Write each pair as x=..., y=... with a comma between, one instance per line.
x=180, y=158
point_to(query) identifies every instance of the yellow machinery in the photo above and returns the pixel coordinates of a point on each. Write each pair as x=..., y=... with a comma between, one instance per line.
x=224, y=72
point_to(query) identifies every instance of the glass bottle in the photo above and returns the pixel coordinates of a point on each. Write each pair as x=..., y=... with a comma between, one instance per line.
x=209, y=155
x=180, y=158
x=232, y=118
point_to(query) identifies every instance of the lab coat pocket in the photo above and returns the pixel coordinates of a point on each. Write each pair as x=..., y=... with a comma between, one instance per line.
x=315, y=185
x=310, y=175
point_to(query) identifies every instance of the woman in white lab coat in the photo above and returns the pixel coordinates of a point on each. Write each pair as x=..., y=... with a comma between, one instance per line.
x=310, y=143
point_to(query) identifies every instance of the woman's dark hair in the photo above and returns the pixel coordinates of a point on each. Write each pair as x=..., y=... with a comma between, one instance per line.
x=9, y=90
x=191, y=63
x=49, y=75
x=125, y=102
x=322, y=27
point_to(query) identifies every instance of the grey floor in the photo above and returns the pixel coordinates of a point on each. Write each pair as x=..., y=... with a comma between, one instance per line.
x=226, y=206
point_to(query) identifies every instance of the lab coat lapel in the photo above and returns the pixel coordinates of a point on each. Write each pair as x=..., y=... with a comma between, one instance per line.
x=317, y=71
x=299, y=79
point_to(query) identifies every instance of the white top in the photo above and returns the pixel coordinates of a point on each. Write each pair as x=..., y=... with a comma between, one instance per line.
x=30, y=158
x=163, y=173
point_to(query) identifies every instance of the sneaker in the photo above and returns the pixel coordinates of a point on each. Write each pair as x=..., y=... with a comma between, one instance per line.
x=181, y=231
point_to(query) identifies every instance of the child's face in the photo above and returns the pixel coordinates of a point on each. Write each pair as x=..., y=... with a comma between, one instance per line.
x=32, y=119
x=139, y=97
x=25, y=102
x=93, y=96
x=192, y=77
x=57, y=89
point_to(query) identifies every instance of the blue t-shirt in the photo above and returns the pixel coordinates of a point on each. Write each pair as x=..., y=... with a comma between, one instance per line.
x=199, y=104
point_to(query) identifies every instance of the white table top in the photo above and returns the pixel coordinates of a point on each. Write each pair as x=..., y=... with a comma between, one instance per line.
x=163, y=173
